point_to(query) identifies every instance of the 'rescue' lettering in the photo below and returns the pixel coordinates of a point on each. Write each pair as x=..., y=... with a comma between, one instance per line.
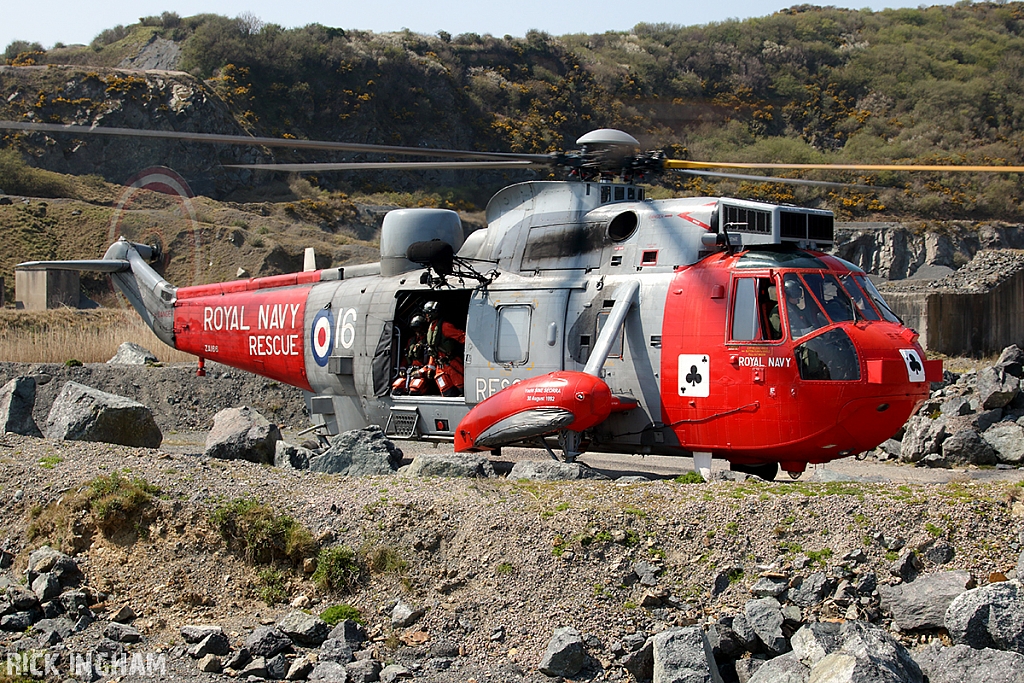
x=274, y=345
x=224, y=318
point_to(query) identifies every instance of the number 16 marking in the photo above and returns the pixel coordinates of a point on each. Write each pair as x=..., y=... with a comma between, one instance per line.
x=346, y=333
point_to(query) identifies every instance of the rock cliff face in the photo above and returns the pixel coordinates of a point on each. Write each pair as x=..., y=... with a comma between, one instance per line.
x=895, y=252
x=155, y=100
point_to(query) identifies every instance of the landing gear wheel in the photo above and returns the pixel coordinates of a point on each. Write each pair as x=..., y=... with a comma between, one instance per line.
x=767, y=472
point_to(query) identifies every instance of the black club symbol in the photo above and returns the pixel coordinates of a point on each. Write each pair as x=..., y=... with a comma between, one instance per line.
x=694, y=377
x=915, y=366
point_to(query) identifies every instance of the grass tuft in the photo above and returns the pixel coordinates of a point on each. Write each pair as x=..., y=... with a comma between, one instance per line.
x=260, y=535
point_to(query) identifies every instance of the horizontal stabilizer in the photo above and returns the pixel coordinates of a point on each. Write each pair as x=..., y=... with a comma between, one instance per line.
x=95, y=265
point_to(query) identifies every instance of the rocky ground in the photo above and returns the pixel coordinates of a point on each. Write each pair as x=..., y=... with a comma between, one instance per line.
x=496, y=564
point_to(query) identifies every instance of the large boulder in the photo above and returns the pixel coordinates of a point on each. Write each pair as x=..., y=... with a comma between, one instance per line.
x=964, y=664
x=450, y=465
x=765, y=618
x=242, y=434
x=1007, y=438
x=290, y=455
x=1012, y=361
x=922, y=603
x=304, y=629
x=923, y=435
x=989, y=616
x=81, y=413
x=996, y=387
x=785, y=669
x=682, y=655
x=130, y=353
x=866, y=654
x=358, y=453
x=966, y=447
x=551, y=470
x=565, y=654
x=17, y=399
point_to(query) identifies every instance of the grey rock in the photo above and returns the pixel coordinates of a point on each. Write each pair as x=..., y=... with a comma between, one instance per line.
x=393, y=672
x=565, y=654
x=811, y=591
x=1007, y=438
x=769, y=587
x=266, y=642
x=193, y=634
x=329, y=671
x=935, y=461
x=404, y=615
x=984, y=420
x=922, y=603
x=646, y=573
x=242, y=434
x=256, y=667
x=122, y=633
x=17, y=399
x=813, y=642
x=868, y=654
x=746, y=668
x=46, y=560
x=337, y=650
x=996, y=387
x=348, y=631
x=46, y=587
x=277, y=667
x=549, y=470
x=724, y=641
x=786, y=668
x=991, y=616
x=923, y=436
x=745, y=633
x=957, y=405
x=210, y=664
x=1012, y=361
x=238, y=659
x=304, y=629
x=52, y=631
x=19, y=621
x=300, y=669
x=363, y=671
x=907, y=565
x=640, y=661
x=889, y=448
x=450, y=465
x=966, y=447
x=20, y=598
x=215, y=643
x=765, y=618
x=289, y=455
x=75, y=603
x=357, y=453
x=939, y=552
x=683, y=655
x=964, y=664
x=130, y=353
x=81, y=413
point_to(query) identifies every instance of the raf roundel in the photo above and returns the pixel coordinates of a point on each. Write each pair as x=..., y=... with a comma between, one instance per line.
x=321, y=336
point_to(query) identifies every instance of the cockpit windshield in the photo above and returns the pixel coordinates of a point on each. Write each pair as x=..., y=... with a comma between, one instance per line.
x=802, y=311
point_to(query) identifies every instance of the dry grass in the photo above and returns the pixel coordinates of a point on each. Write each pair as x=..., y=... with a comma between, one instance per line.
x=88, y=336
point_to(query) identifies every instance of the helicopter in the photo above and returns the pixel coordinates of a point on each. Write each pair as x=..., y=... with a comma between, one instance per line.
x=592, y=317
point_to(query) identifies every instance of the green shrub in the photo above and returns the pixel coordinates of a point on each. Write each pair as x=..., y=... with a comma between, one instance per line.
x=337, y=569
x=336, y=614
x=20, y=178
x=384, y=559
x=270, y=586
x=689, y=478
x=261, y=536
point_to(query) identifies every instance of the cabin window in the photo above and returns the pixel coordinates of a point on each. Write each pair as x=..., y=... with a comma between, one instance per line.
x=513, y=343
x=755, y=314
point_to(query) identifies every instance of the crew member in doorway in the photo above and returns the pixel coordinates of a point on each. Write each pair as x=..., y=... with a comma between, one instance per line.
x=413, y=377
x=445, y=344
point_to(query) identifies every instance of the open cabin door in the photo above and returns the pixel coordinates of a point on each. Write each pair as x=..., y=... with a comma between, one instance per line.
x=513, y=334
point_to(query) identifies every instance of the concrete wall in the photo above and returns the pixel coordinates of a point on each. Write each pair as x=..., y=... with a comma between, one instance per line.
x=965, y=324
x=38, y=290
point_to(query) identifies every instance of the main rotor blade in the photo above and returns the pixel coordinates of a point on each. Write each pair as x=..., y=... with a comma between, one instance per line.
x=787, y=181
x=677, y=164
x=270, y=142
x=387, y=165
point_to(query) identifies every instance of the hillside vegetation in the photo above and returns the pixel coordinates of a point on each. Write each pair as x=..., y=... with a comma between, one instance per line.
x=940, y=84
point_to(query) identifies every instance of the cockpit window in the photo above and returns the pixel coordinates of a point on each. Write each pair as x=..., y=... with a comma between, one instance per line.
x=802, y=310
x=755, y=315
x=829, y=356
x=883, y=307
x=864, y=307
x=837, y=304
